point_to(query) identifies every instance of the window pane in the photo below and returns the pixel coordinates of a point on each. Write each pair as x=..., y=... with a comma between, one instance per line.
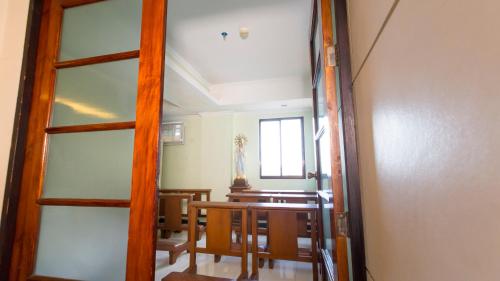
x=270, y=148
x=83, y=243
x=100, y=29
x=99, y=93
x=291, y=147
x=90, y=165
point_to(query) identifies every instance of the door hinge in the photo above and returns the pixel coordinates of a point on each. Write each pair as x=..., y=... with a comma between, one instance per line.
x=332, y=54
x=342, y=224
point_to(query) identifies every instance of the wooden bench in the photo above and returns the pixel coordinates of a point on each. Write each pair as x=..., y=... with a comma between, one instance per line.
x=219, y=241
x=284, y=230
x=184, y=276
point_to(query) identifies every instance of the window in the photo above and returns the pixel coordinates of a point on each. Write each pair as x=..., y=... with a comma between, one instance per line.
x=282, y=148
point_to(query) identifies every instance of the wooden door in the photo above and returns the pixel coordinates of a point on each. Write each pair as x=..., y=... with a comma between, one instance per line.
x=333, y=240
x=87, y=203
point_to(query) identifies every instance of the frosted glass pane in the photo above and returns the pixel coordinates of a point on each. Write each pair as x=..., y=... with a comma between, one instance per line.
x=291, y=147
x=99, y=93
x=83, y=243
x=325, y=160
x=90, y=165
x=99, y=29
x=270, y=154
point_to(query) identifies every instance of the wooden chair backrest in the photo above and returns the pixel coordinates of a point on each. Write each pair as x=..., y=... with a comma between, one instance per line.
x=171, y=209
x=284, y=230
x=218, y=231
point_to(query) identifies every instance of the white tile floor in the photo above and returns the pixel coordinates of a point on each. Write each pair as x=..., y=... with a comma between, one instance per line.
x=229, y=267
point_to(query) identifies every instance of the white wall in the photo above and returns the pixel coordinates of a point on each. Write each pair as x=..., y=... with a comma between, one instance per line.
x=206, y=158
x=428, y=123
x=13, y=17
x=248, y=124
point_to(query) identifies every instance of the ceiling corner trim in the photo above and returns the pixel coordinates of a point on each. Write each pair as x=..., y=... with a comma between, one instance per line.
x=182, y=67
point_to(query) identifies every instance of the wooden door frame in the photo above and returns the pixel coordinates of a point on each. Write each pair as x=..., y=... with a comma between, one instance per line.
x=19, y=135
x=356, y=233
x=144, y=189
x=355, y=219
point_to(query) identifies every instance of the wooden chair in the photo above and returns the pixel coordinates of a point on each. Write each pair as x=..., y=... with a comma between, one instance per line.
x=283, y=230
x=218, y=231
x=184, y=276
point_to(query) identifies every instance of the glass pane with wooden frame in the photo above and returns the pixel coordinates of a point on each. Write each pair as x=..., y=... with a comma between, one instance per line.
x=328, y=173
x=94, y=127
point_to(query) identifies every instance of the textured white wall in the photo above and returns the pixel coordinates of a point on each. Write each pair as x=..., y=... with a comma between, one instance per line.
x=13, y=18
x=428, y=129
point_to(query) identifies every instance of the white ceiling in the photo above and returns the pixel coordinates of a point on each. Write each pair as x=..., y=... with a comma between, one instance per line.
x=276, y=47
x=268, y=70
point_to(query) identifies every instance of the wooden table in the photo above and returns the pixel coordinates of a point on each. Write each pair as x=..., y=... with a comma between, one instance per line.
x=198, y=192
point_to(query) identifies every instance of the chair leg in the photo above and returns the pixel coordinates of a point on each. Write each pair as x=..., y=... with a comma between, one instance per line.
x=217, y=258
x=261, y=262
x=271, y=263
x=172, y=257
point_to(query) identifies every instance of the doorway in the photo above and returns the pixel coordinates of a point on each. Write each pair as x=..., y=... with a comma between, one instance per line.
x=134, y=206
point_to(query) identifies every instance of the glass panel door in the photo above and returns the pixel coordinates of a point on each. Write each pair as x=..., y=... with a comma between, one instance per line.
x=88, y=195
x=88, y=156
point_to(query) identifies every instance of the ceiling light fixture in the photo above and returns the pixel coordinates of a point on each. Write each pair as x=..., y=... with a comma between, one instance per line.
x=244, y=32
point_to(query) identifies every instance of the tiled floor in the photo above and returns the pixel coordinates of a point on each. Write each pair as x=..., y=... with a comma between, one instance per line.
x=229, y=267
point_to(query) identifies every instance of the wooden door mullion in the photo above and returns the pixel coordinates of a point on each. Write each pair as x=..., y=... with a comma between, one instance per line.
x=143, y=206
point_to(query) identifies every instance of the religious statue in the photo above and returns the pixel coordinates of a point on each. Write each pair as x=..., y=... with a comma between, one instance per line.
x=240, y=142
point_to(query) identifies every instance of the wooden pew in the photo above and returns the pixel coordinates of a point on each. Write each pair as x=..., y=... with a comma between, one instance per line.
x=283, y=234
x=170, y=211
x=279, y=191
x=219, y=239
x=304, y=220
x=249, y=198
x=198, y=192
x=272, y=197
